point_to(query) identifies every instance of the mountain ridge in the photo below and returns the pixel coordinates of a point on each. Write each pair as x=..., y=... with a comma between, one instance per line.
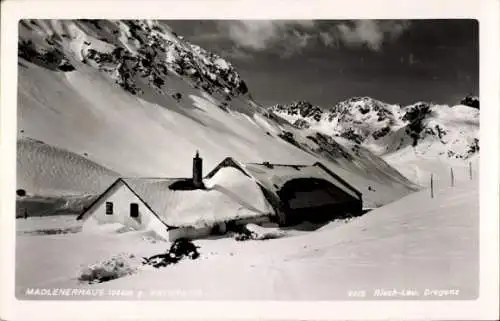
x=361, y=118
x=423, y=131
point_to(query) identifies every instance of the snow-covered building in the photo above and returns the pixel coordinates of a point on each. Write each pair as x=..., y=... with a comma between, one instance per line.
x=180, y=207
x=232, y=194
x=300, y=192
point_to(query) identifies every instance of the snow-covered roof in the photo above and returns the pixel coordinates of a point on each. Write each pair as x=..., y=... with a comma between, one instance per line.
x=274, y=176
x=197, y=208
x=240, y=187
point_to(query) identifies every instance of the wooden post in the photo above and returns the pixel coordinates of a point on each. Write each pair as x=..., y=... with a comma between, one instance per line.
x=470, y=171
x=452, y=177
x=432, y=187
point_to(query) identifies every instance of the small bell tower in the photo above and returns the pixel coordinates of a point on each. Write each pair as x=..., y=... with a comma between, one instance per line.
x=198, y=171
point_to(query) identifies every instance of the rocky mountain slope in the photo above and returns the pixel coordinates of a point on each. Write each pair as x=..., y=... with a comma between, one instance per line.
x=133, y=53
x=400, y=134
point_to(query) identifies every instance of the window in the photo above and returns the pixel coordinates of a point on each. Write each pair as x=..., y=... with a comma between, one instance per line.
x=109, y=208
x=134, y=210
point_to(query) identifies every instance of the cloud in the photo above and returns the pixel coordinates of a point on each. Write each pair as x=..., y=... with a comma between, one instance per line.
x=287, y=37
x=328, y=39
x=259, y=35
x=254, y=35
x=372, y=33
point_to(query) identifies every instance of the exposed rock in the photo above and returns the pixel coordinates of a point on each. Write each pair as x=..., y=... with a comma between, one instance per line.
x=471, y=101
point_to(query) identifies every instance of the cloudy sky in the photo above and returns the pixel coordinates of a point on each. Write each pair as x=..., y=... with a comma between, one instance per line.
x=397, y=61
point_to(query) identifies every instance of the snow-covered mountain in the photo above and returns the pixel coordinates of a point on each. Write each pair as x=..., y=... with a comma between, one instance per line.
x=408, y=137
x=131, y=98
x=103, y=99
x=134, y=53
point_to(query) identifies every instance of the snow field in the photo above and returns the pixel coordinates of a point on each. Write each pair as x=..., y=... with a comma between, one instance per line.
x=433, y=240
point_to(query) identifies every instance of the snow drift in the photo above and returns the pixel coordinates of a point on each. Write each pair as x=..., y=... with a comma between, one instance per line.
x=43, y=169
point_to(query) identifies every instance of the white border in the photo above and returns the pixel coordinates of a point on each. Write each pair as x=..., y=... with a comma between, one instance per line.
x=486, y=11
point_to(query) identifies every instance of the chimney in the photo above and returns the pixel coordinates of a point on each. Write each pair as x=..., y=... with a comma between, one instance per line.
x=198, y=171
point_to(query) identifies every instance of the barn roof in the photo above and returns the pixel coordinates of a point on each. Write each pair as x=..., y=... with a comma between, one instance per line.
x=274, y=176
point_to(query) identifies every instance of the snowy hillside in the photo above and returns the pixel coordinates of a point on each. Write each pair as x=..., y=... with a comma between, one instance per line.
x=404, y=136
x=134, y=99
x=433, y=240
x=66, y=173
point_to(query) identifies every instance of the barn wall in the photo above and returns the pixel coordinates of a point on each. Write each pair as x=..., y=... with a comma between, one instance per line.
x=122, y=196
x=254, y=220
x=314, y=198
x=197, y=233
x=189, y=233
